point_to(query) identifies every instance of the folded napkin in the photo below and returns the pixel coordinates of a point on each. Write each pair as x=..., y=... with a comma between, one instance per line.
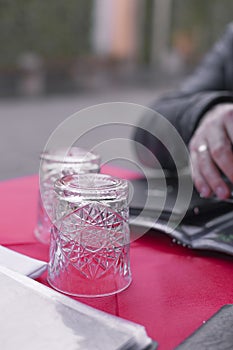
x=21, y=263
x=38, y=317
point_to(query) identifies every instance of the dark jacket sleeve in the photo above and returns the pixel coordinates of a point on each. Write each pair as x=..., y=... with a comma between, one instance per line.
x=210, y=84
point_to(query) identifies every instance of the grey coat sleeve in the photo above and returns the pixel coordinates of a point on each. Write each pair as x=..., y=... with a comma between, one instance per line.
x=210, y=84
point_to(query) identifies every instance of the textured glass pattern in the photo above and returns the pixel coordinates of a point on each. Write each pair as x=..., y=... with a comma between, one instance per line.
x=93, y=239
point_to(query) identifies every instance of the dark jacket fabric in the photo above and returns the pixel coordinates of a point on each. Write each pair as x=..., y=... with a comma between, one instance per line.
x=210, y=84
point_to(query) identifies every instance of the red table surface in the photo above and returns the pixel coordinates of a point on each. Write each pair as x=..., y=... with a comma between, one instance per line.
x=174, y=289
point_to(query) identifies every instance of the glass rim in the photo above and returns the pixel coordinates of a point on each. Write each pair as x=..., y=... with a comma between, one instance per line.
x=75, y=155
x=89, y=184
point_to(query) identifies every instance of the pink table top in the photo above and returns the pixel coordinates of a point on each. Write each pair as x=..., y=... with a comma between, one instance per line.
x=174, y=289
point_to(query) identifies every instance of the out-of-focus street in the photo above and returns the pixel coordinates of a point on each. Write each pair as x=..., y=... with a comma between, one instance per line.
x=26, y=124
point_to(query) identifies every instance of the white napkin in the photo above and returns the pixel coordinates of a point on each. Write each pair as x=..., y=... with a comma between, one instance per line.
x=21, y=263
x=34, y=316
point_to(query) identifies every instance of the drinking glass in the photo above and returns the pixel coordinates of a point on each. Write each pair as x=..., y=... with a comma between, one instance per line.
x=90, y=239
x=53, y=166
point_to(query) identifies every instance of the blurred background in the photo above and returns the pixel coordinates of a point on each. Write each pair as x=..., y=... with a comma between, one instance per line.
x=58, y=57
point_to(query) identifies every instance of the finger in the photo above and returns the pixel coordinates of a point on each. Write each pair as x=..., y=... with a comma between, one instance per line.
x=228, y=124
x=221, y=151
x=212, y=175
x=199, y=181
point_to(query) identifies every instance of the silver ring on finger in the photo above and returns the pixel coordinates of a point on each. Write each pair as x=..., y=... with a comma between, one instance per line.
x=202, y=148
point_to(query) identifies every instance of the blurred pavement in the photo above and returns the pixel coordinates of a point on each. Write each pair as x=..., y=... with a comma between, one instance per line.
x=26, y=124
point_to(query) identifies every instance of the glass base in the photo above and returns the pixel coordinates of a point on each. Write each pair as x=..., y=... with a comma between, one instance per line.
x=87, y=295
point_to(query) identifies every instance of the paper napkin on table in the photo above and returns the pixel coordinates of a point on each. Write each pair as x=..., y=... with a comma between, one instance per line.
x=21, y=263
x=38, y=317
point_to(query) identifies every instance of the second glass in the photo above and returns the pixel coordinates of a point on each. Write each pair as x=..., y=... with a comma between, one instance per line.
x=53, y=166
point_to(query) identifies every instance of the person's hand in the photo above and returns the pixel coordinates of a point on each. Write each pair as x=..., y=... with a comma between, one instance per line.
x=211, y=152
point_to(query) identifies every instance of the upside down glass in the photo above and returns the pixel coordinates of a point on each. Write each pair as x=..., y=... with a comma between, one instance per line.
x=53, y=166
x=90, y=239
